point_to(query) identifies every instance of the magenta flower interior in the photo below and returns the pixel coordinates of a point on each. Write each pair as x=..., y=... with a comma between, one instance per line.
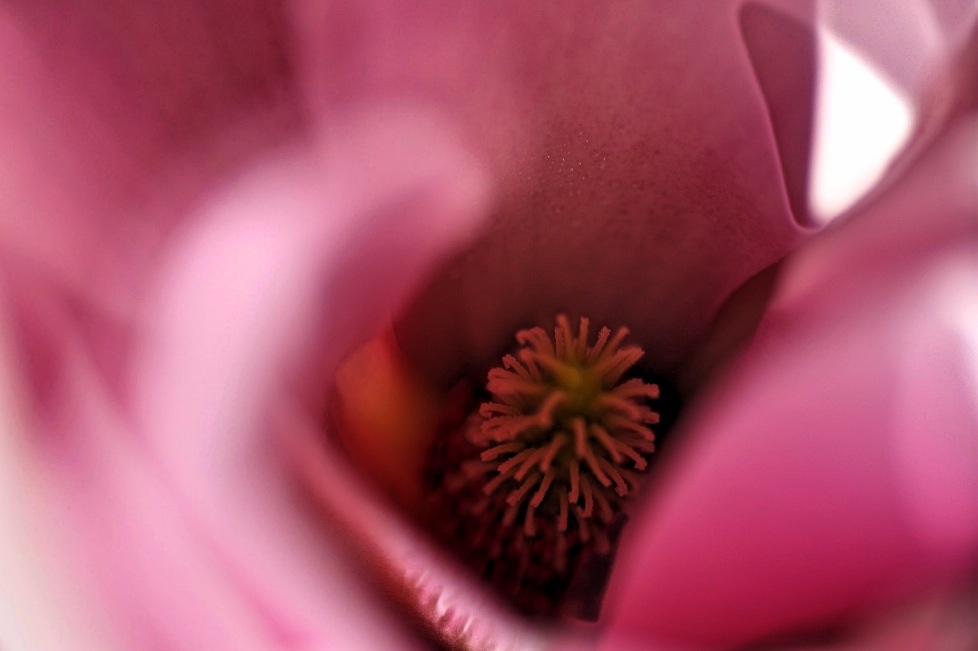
x=370, y=325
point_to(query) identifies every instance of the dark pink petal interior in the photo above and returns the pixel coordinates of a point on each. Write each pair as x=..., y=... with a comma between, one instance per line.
x=639, y=178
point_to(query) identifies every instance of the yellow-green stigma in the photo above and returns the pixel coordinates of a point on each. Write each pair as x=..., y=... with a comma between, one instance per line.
x=539, y=481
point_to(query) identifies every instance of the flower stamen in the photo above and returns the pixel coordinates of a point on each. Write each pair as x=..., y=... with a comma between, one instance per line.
x=551, y=441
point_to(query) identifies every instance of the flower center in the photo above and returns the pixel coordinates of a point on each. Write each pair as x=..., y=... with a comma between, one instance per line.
x=535, y=482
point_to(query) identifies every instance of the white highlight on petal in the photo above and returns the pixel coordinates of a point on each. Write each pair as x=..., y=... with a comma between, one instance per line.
x=936, y=425
x=861, y=122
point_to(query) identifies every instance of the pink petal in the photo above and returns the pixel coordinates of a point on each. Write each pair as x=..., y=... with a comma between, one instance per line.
x=779, y=45
x=255, y=305
x=943, y=620
x=37, y=575
x=908, y=40
x=836, y=468
x=159, y=432
x=114, y=118
x=640, y=181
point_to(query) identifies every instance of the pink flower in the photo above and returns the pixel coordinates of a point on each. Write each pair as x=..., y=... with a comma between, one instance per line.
x=207, y=206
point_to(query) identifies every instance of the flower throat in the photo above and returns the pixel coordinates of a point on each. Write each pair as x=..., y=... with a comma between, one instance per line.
x=530, y=486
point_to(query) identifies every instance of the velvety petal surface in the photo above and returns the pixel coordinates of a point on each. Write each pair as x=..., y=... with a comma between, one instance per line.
x=835, y=468
x=639, y=178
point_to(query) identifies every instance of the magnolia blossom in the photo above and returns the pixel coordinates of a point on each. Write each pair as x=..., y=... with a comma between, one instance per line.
x=207, y=207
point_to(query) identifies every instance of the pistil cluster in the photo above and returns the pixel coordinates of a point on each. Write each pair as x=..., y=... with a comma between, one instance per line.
x=539, y=477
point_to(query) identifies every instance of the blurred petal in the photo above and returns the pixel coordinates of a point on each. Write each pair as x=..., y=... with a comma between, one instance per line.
x=114, y=118
x=907, y=39
x=281, y=276
x=127, y=535
x=44, y=604
x=837, y=466
x=942, y=620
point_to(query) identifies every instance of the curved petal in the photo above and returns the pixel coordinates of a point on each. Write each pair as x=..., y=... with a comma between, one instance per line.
x=37, y=575
x=780, y=45
x=256, y=303
x=640, y=183
x=837, y=468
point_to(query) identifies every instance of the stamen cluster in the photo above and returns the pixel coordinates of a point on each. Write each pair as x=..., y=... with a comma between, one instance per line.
x=550, y=458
